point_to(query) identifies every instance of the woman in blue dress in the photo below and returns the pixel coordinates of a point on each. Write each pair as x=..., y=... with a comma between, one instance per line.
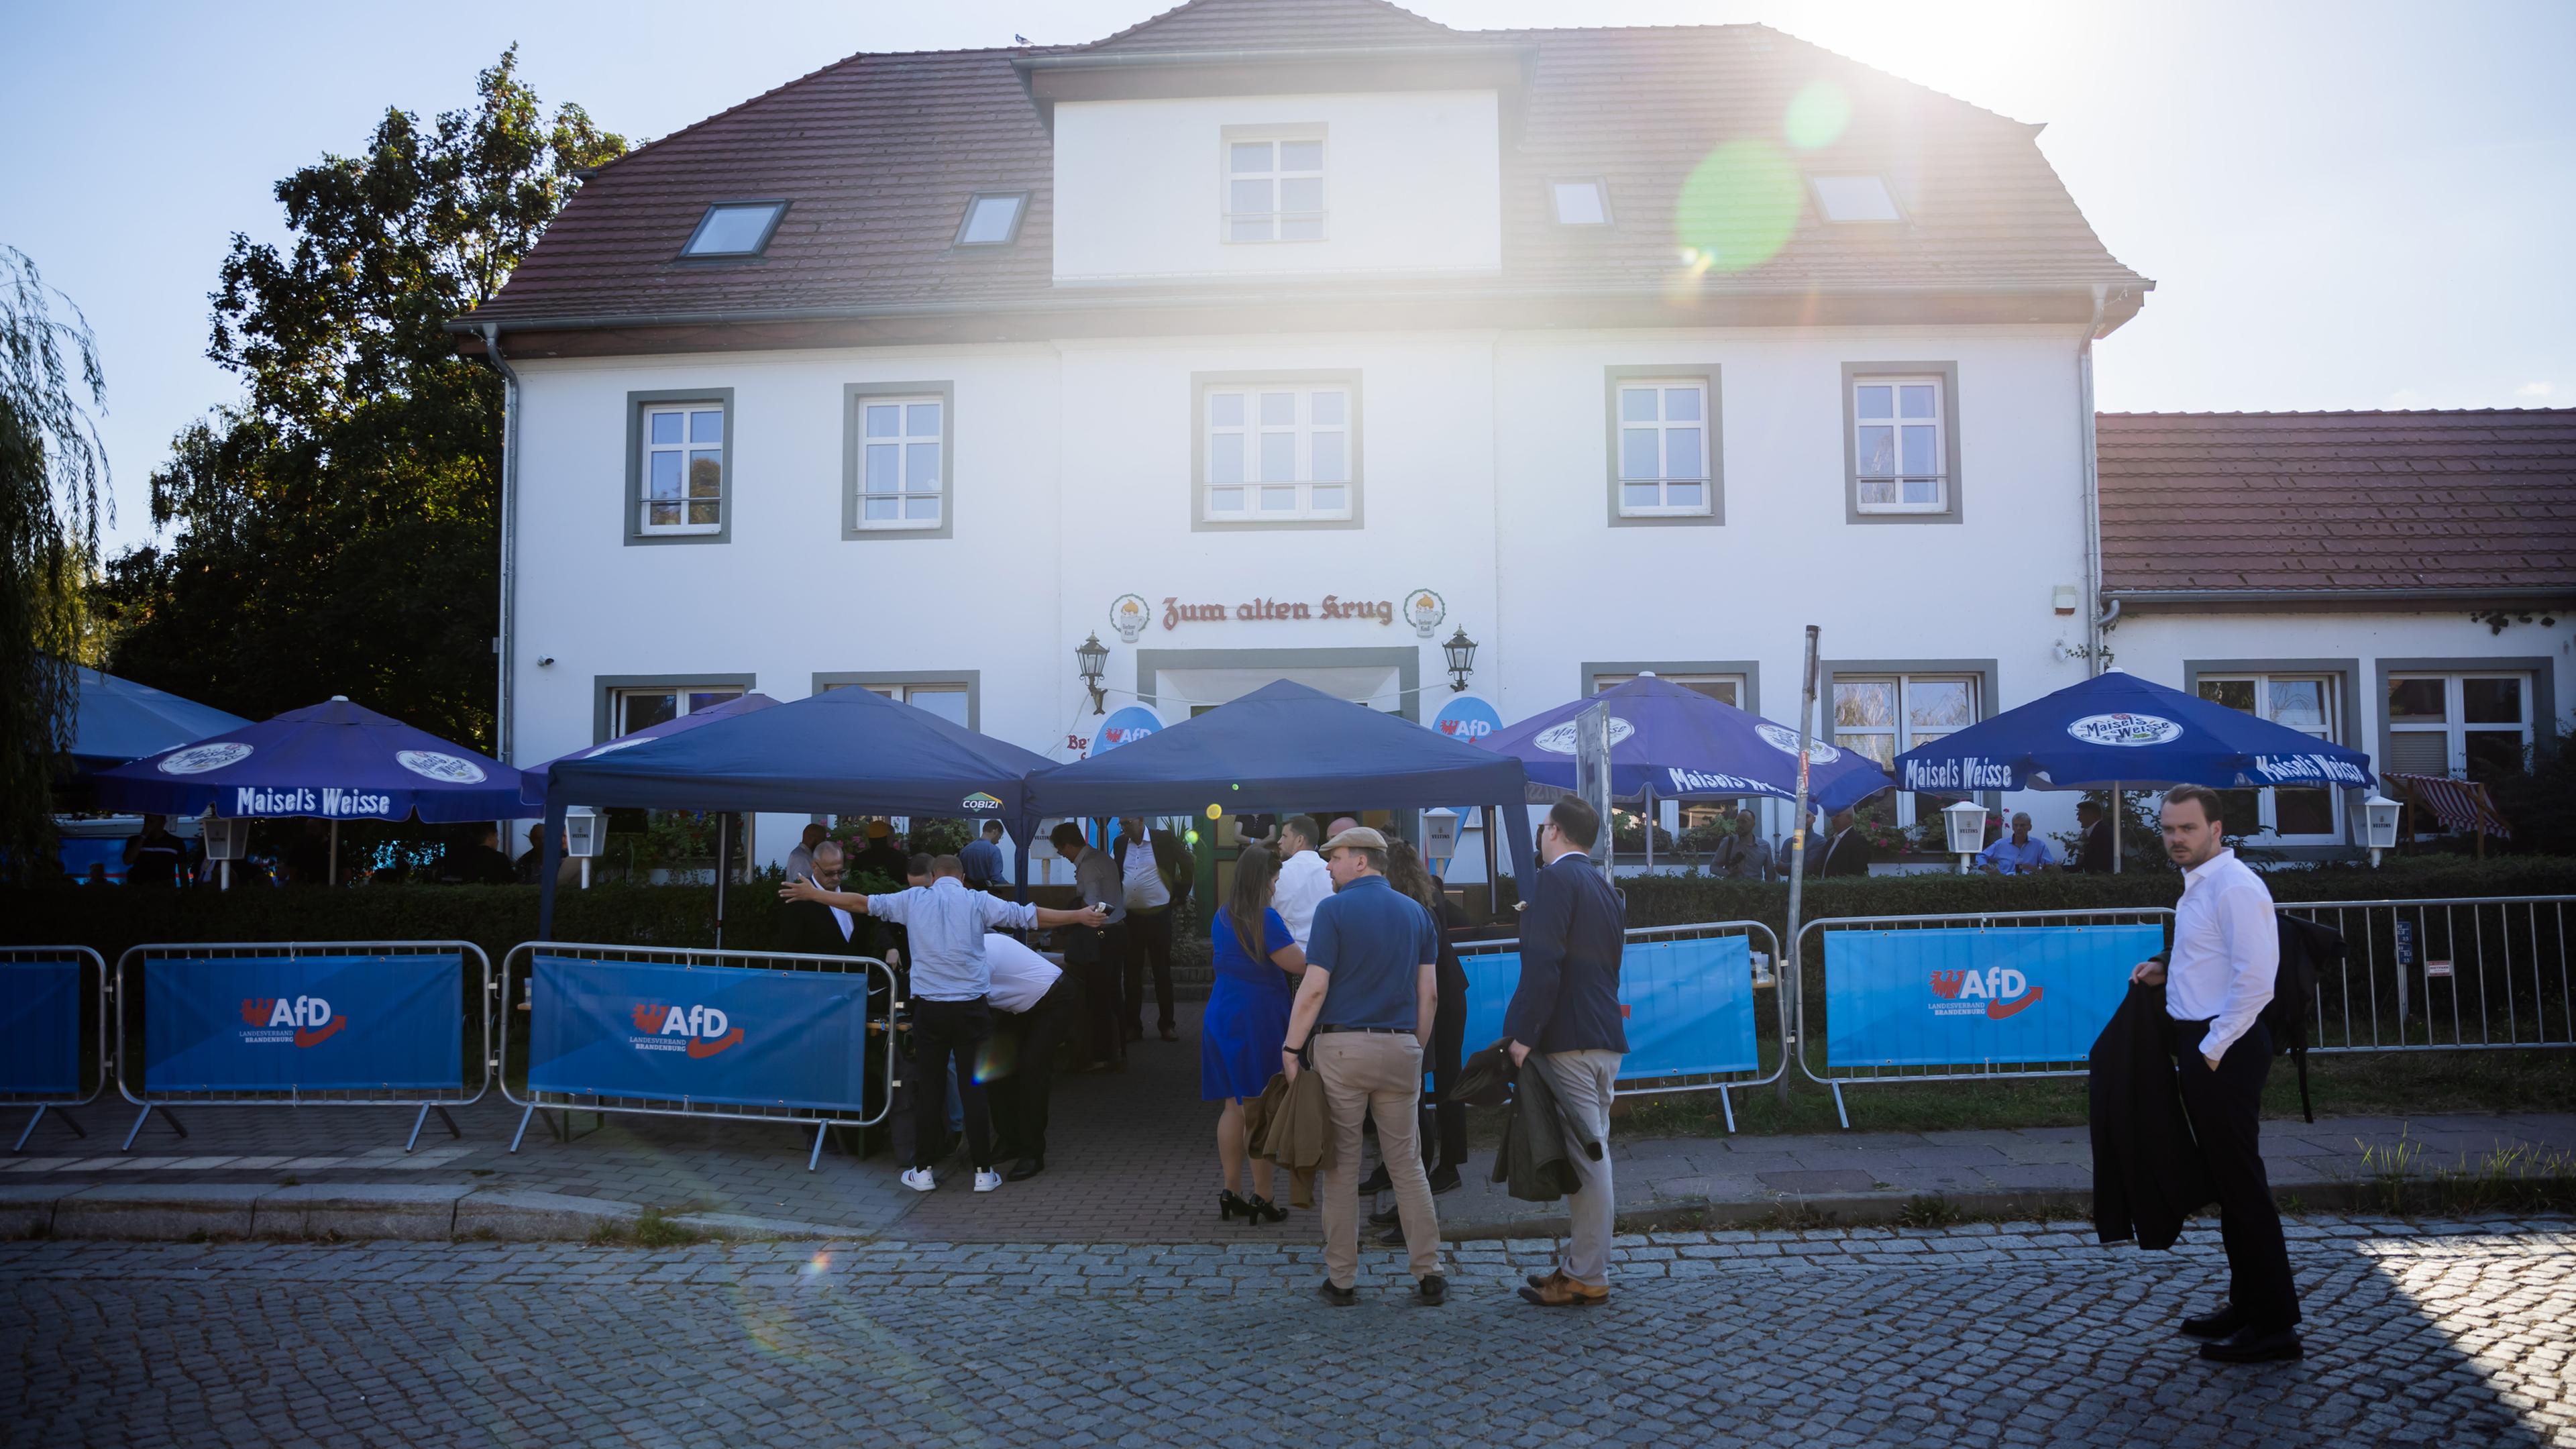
x=1257, y=963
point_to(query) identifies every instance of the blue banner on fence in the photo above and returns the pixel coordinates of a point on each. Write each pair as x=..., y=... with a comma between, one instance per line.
x=722, y=1034
x=40, y=1019
x=1976, y=997
x=1689, y=1005
x=304, y=1023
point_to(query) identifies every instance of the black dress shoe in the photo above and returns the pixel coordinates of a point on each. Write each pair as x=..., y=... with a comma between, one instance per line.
x=2222, y=1324
x=1170, y=1035
x=1338, y=1297
x=1444, y=1178
x=1133, y=1033
x=1378, y=1181
x=2256, y=1345
x=1392, y=1213
x=1433, y=1290
x=1024, y=1169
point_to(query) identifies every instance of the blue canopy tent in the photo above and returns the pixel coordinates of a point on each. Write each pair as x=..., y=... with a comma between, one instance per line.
x=2116, y=731
x=533, y=788
x=849, y=749
x=1288, y=747
x=119, y=720
x=1671, y=743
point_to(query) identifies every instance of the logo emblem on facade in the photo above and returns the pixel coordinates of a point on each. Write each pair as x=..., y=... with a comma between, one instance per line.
x=1559, y=739
x=2130, y=731
x=446, y=769
x=981, y=801
x=1129, y=614
x=198, y=759
x=1424, y=610
x=1785, y=740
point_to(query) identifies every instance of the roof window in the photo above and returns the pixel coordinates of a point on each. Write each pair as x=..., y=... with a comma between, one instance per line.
x=1584, y=202
x=735, y=229
x=992, y=218
x=1856, y=198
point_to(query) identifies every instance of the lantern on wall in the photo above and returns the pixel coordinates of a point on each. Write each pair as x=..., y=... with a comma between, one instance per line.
x=1462, y=658
x=1092, y=658
x=1965, y=820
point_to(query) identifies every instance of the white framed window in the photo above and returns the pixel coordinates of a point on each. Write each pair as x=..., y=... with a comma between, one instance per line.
x=735, y=229
x=1663, y=448
x=2468, y=725
x=1278, y=453
x=1724, y=688
x=1274, y=187
x=682, y=468
x=2303, y=702
x=1900, y=453
x=902, y=463
x=1883, y=716
x=1855, y=198
x=1583, y=201
x=947, y=699
x=992, y=219
x=636, y=709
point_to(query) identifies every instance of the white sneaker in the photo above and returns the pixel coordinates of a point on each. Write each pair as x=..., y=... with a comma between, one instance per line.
x=986, y=1179
x=919, y=1179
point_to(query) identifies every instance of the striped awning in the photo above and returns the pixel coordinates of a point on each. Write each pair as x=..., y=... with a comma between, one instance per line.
x=2458, y=804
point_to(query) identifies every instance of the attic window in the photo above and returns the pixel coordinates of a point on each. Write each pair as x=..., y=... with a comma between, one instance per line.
x=1856, y=198
x=735, y=229
x=992, y=219
x=1585, y=202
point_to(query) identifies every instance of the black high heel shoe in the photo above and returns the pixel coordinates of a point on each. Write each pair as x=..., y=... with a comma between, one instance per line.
x=1263, y=1210
x=1230, y=1207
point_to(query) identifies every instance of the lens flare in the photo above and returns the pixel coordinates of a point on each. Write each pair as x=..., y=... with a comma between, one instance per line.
x=1739, y=207
x=1817, y=115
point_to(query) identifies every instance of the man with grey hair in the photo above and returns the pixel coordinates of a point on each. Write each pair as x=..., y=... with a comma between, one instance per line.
x=2020, y=853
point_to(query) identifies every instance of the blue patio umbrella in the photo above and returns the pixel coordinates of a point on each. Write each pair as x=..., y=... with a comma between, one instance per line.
x=532, y=790
x=119, y=720
x=332, y=761
x=2116, y=731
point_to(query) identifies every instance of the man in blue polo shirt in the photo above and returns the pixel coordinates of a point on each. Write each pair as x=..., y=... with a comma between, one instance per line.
x=2019, y=853
x=1362, y=1018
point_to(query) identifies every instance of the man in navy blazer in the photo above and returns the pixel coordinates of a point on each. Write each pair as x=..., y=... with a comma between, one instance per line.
x=1565, y=1019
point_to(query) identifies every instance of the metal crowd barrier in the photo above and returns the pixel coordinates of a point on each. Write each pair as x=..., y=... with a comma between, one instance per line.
x=1807, y=1039
x=93, y=998
x=519, y=966
x=127, y=1080
x=2449, y=974
x=1764, y=972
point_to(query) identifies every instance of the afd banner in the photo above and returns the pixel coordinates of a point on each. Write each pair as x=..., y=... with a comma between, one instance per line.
x=304, y=1023
x=1971, y=997
x=40, y=1019
x=1688, y=1004
x=735, y=1035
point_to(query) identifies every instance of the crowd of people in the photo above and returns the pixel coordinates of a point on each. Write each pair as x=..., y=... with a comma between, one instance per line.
x=1838, y=845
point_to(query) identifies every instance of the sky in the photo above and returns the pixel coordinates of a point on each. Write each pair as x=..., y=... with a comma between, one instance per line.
x=2346, y=205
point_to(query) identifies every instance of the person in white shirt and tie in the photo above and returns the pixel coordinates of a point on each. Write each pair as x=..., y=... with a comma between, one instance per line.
x=2217, y=979
x=1304, y=880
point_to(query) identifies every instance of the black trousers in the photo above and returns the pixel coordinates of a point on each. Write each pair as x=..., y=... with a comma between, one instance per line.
x=1448, y=1049
x=1149, y=941
x=2225, y=1108
x=1026, y=1043
x=941, y=1030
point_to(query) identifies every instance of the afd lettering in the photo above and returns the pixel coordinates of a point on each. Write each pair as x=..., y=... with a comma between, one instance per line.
x=249, y=800
x=305, y=1020
x=2313, y=769
x=1965, y=773
x=2002, y=990
x=701, y=1031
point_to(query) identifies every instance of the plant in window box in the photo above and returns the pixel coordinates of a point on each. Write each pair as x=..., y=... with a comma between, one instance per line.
x=1876, y=824
x=1628, y=833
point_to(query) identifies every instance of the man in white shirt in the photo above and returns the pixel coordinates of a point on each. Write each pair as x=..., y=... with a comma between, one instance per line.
x=2217, y=979
x=1304, y=881
x=1034, y=1004
x=1154, y=870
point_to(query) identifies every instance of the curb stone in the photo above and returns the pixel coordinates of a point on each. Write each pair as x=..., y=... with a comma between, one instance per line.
x=157, y=1210
x=411, y=1211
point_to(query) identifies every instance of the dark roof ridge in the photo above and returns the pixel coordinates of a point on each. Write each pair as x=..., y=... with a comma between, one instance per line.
x=1159, y=16
x=2349, y=413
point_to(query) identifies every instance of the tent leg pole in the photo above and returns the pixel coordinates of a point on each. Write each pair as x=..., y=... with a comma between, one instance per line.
x=1728, y=1103
x=516, y=1137
x=21, y=1144
x=815, y=1157
x=331, y=872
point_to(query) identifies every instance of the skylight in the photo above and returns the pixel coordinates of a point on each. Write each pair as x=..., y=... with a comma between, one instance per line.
x=735, y=229
x=1581, y=203
x=992, y=218
x=1856, y=198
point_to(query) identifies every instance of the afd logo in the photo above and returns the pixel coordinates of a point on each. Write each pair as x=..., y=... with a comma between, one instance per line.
x=701, y=1031
x=1998, y=991
x=1125, y=734
x=303, y=1020
x=1467, y=729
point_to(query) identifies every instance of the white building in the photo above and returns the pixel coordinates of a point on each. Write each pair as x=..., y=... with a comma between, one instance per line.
x=1633, y=349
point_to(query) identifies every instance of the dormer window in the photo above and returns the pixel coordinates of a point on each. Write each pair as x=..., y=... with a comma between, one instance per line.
x=1856, y=198
x=1583, y=202
x=1274, y=183
x=992, y=218
x=735, y=229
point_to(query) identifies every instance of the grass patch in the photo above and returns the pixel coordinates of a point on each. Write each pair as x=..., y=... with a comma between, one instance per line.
x=1929, y=1210
x=2401, y=1179
x=649, y=1230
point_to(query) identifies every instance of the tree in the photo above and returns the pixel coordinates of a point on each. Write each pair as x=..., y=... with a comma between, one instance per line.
x=51, y=465
x=336, y=528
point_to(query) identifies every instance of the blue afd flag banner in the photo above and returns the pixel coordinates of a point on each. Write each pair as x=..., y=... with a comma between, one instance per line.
x=1973, y=997
x=1688, y=1004
x=40, y=1019
x=304, y=1023
x=724, y=1034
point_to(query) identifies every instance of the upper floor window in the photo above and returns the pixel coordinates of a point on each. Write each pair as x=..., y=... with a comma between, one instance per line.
x=1274, y=185
x=636, y=709
x=2303, y=702
x=735, y=229
x=1663, y=447
x=1900, y=446
x=900, y=442
x=683, y=469
x=1278, y=453
x=950, y=699
x=992, y=218
x=1581, y=203
x=2469, y=725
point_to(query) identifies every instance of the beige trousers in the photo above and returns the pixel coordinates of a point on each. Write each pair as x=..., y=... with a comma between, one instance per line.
x=1375, y=1074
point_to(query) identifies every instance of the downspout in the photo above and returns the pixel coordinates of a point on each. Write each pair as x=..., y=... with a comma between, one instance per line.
x=2094, y=616
x=505, y=643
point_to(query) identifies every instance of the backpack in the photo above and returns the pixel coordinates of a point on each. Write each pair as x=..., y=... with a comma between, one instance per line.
x=2307, y=950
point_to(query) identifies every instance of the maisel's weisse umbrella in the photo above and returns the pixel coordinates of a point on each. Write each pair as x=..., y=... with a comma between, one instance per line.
x=1669, y=743
x=533, y=791
x=332, y=761
x=120, y=720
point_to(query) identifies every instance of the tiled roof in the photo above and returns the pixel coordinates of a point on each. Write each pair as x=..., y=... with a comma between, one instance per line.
x=878, y=154
x=2379, y=501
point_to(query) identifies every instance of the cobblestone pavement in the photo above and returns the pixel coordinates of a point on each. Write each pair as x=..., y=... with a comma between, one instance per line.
x=1975, y=1335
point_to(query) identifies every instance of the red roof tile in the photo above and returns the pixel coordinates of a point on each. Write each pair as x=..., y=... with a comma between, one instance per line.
x=878, y=154
x=2374, y=501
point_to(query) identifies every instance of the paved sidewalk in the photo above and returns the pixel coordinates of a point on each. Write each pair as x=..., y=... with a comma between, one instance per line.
x=1133, y=1160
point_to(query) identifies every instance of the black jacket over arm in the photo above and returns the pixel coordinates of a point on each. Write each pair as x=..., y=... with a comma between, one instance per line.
x=1568, y=997
x=2147, y=1174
